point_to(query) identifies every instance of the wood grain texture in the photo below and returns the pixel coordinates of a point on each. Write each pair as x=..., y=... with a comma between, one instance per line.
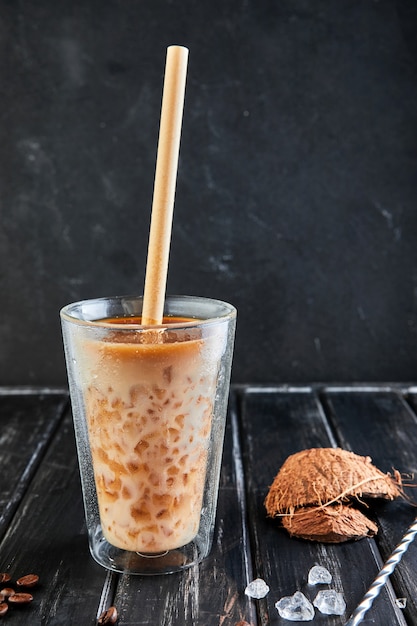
x=28, y=422
x=46, y=533
x=384, y=426
x=47, y=536
x=274, y=425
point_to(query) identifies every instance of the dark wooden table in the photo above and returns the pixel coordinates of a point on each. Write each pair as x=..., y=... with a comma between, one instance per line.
x=42, y=521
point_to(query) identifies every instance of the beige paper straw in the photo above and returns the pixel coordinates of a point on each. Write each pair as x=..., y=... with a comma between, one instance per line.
x=164, y=186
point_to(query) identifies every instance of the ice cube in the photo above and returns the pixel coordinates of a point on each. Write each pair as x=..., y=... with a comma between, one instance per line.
x=319, y=575
x=257, y=589
x=295, y=608
x=330, y=602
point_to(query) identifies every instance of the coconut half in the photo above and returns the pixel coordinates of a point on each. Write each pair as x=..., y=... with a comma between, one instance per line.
x=316, y=490
x=330, y=524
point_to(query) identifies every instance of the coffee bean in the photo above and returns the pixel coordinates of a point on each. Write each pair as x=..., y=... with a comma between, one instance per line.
x=108, y=617
x=4, y=577
x=6, y=592
x=21, y=598
x=30, y=580
x=3, y=608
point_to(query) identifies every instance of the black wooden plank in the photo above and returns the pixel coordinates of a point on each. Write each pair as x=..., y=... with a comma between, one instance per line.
x=212, y=593
x=48, y=533
x=28, y=421
x=382, y=425
x=48, y=537
x=374, y=418
x=275, y=425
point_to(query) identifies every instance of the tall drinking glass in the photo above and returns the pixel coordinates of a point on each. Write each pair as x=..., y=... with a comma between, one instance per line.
x=149, y=407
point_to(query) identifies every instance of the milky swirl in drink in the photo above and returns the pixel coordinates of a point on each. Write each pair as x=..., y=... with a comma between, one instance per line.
x=149, y=415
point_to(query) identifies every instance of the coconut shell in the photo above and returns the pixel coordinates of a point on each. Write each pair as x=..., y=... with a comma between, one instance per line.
x=318, y=476
x=330, y=524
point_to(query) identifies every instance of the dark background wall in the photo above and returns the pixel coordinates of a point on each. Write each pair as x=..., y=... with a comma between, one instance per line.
x=297, y=188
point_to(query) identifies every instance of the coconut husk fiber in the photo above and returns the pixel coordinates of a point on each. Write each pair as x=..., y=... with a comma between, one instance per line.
x=331, y=524
x=312, y=485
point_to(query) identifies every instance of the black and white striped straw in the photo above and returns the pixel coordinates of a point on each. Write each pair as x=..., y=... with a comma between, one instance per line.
x=383, y=575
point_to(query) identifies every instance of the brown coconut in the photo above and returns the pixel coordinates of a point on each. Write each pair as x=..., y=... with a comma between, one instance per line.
x=308, y=491
x=332, y=524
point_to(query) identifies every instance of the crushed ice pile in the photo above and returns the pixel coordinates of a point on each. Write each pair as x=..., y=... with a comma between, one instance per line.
x=298, y=608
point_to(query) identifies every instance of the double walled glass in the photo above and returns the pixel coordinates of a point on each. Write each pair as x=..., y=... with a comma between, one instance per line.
x=149, y=406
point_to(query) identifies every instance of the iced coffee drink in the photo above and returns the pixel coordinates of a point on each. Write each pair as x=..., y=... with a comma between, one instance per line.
x=149, y=408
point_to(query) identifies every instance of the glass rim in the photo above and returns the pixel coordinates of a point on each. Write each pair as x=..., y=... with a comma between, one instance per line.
x=230, y=313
